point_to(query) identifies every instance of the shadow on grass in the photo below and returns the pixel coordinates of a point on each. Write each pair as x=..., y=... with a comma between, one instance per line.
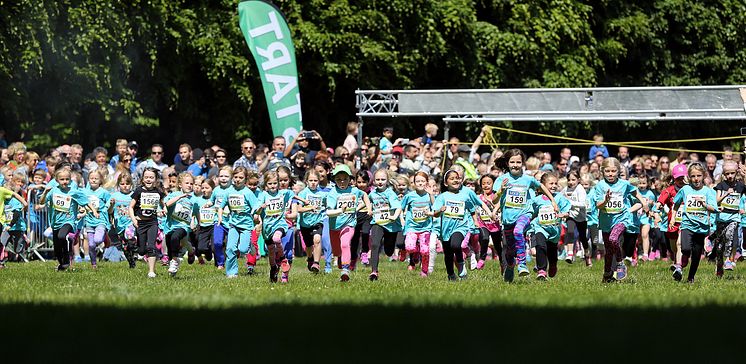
x=338, y=333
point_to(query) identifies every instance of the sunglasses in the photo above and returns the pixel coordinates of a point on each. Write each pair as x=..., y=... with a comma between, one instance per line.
x=219, y=156
x=157, y=153
x=247, y=148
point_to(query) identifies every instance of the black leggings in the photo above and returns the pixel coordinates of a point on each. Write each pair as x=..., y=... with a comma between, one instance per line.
x=173, y=240
x=546, y=252
x=360, y=236
x=378, y=234
x=452, y=249
x=62, y=246
x=692, y=246
x=147, y=233
x=129, y=247
x=204, y=241
x=484, y=242
x=581, y=227
x=629, y=244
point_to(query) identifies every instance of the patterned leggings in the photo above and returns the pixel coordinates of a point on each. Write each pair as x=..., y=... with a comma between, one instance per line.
x=612, y=247
x=515, y=242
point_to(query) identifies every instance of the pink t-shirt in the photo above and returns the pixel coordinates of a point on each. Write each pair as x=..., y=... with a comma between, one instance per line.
x=483, y=218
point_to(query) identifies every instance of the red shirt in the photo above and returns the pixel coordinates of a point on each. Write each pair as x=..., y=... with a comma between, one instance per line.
x=666, y=198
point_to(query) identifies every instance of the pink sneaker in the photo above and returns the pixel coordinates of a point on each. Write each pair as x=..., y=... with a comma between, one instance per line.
x=410, y=267
x=164, y=260
x=480, y=264
x=364, y=258
x=284, y=278
x=423, y=274
x=541, y=275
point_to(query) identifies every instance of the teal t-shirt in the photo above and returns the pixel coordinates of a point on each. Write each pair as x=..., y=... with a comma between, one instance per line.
x=650, y=197
x=616, y=210
x=696, y=218
x=545, y=219
x=241, y=203
x=273, y=214
x=206, y=216
x=515, y=199
x=317, y=199
x=591, y=211
x=121, y=213
x=218, y=198
x=63, y=206
x=14, y=206
x=100, y=199
x=179, y=215
x=384, y=205
x=416, y=208
x=457, y=217
x=348, y=200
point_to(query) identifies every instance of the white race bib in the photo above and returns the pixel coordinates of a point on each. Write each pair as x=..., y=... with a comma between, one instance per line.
x=61, y=203
x=419, y=214
x=275, y=206
x=679, y=214
x=695, y=204
x=455, y=209
x=615, y=204
x=346, y=202
x=207, y=215
x=149, y=200
x=382, y=217
x=236, y=203
x=95, y=202
x=547, y=216
x=516, y=197
x=730, y=202
x=182, y=213
x=316, y=202
x=8, y=216
x=483, y=215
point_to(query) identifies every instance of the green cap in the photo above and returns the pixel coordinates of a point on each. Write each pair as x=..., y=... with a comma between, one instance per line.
x=341, y=168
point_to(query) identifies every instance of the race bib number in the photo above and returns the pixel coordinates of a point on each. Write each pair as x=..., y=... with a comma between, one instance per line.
x=346, y=202
x=730, y=202
x=695, y=204
x=615, y=204
x=61, y=203
x=419, y=214
x=382, y=217
x=206, y=215
x=571, y=196
x=95, y=202
x=274, y=206
x=516, y=198
x=182, y=213
x=547, y=216
x=149, y=201
x=679, y=214
x=8, y=216
x=315, y=201
x=454, y=209
x=236, y=203
x=483, y=215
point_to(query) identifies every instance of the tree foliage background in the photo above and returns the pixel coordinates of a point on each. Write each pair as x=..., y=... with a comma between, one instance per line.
x=173, y=70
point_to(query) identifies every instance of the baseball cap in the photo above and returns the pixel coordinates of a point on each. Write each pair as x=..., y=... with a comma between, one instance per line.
x=197, y=154
x=679, y=170
x=464, y=148
x=341, y=168
x=133, y=145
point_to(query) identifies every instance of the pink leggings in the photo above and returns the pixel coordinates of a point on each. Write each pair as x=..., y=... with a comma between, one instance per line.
x=340, y=240
x=414, y=238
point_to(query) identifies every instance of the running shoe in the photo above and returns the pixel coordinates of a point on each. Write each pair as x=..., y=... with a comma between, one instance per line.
x=78, y=259
x=285, y=266
x=728, y=265
x=231, y=276
x=719, y=271
x=541, y=276
x=410, y=268
x=344, y=276
x=677, y=274
x=165, y=260
x=191, y=258
x=452, y=277
x=250, y=270
x=463, y=274
x=474, y=264
x=402, y=255
x=608, y=277
x=221, y=267
x=588, y=261
x=672, y=268
x=480, y=264
x=621, y=271
x=364, y=259
x=151, y=274
x=522, y=270
x=509, y=274
x=315, y=268
x=373, y=276
x=201, y=259
x=285, y=277
x=580, y=254
x=172, y=268
x=309, y=263
x=327, y=270
x=570, y=258
x=552, y=269
x=62, y=267
x=273, y=273
x=423, y=274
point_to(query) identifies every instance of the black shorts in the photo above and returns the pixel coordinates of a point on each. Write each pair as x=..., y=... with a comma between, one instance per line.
x=308, y=232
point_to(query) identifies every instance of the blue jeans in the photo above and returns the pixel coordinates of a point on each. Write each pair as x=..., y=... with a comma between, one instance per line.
x=239, y=241
x=219, y=243
x=326, y=245
x=288, y=243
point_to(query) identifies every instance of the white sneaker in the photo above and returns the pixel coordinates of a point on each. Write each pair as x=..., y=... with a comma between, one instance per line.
x=580, y=254
x=474, y=261
x=151, y=274
x=173, y=267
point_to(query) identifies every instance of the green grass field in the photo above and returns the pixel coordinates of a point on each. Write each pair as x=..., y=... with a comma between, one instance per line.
x=401, y=308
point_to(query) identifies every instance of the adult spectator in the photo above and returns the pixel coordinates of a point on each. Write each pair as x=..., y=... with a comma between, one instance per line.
x=182, y=163
x=410, y=163
x=155, y=161
x=17, y=153
x=121, y=150
x=132, y=148
x=247, y=160
x=351, y=140
x=623, y=156
x=220, y=161
x=303, y=144
x=563, y=167
x=664, y=166
x=276, y=156
x=199, y=167
x=714, y=169
x=565, y=154
x=76, y=157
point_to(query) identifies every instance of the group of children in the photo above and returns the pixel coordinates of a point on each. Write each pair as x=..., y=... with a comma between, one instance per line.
x=512, y=217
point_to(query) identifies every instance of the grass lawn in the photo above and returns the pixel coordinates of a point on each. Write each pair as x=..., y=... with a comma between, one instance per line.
x=311, y=315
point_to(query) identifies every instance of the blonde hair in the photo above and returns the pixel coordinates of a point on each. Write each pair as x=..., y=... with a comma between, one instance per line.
x=269, y=175
x=532, y=163
x=611, y=162
x=693, y=166
x=431, y=128
x=182, y=177
x=121, y=142
x=229, y=169
x=15, y=148
x=30, y=155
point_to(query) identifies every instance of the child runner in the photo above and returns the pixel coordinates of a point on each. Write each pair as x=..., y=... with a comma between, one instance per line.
x=341, y=207
x=632, y=229
x=611, y=197
x=219, y=196
x=180, y=208
x=418, y=221
x=13, y=215
x=119, y=210
x=63, y=202
x=591, y=215
x=386, y=225
x=643, y=184
x=361, y=237
x=146, y=200
x=456, y=205
x=252, y=183
x=546, y=226
x=96, y=226
x=514, y=190
x=666, y=199
x=488, y=227
x=577, y=220
x=274, y=203
x=206, y=217
x=241, y=204
x=285, y=182
x=312, y=217
x=700, y=202
x=726, y=240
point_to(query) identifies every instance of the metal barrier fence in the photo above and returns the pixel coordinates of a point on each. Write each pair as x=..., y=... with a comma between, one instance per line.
x=36, y=223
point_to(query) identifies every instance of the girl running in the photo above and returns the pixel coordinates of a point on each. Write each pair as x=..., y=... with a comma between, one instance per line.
x=180, y=208
x=12, y=215
x=275, y=203
x=63, y=202
x=591, y=215
x=252, y=183
x=206, y=217
x=220, y=231
x=729, y=192
x=341, y=207
x=577, y=221
x=96, y=226
x=418, y=221
x=146, y=200
x=488, y=227
x=312, y=217
x=361, y=237
x=241, y=204
x=700, y=202
x=643, y=184
x=611, y=197
x=386, y=225
x=666, y=199
x=514, y=191
x=119, y=210
x=547, y=226
x=456, y=205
